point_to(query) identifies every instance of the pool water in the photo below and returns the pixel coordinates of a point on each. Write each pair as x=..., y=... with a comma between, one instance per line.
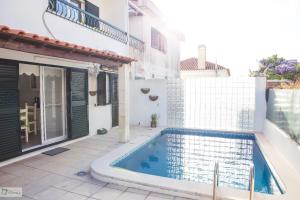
x=190, y=155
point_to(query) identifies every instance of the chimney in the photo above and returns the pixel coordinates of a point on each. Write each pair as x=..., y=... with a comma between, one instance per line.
x=201, y=56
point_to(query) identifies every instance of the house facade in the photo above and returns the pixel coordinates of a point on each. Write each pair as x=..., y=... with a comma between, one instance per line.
x=161, y=53
x=200, y=67
x=65, y=67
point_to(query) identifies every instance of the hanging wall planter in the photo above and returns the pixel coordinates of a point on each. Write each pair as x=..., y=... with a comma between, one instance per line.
x=145, y=90
x=92, y=93
x=153, y=98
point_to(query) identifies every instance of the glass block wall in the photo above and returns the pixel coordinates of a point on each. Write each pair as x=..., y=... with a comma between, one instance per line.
x=175, y=103
x=212, y=103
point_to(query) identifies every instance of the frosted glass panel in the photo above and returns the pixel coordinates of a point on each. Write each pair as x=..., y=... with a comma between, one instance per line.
x=283, y=109
x=53, y=80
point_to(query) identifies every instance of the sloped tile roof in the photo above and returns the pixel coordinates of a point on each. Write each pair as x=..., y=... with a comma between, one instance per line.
x=191, y=64
x=65, y=45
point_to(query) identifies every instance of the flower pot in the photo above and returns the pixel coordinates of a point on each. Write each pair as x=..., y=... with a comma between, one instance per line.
x=153, y=98
x=153, y=124
x=145, y=90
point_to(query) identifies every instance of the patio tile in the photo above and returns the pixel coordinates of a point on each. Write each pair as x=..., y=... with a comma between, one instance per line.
x=52, y=179
x=73, y=196
x=117, y=187
x=36, y=162
x=107, y=193
x=50, y=194
x=25, y=171
x=22, y=170
x=158, y=196
x=5, y=177
x=32, y=189
x=38, y=186
x=86, y=189
x=18, y=182
x=95, y=181
x=138, y=191
x=130, y=196
x=181, y=198
x=68, y=184
x=17, y=198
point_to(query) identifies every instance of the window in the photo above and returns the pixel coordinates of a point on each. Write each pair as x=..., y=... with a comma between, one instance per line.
x=103, y=84
x=93, y=10
x=158, y=41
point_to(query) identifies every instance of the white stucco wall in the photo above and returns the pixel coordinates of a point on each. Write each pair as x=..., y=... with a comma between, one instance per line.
x=28, y=16
x=260, y=103
x=141, y=107
x=283, y=143
x=99, y=116
x=204, y=73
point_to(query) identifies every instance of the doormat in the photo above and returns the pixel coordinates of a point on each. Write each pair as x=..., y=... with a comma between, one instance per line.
x=55, y=151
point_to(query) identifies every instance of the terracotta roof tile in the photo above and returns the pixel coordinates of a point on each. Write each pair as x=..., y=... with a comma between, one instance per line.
x=191, y=64
x=66, y=45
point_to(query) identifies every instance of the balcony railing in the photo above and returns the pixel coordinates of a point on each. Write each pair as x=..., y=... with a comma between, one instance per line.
x=72, y=13
x=136, y=43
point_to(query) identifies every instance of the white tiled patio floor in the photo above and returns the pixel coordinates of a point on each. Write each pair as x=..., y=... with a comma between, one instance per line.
x=45, y=177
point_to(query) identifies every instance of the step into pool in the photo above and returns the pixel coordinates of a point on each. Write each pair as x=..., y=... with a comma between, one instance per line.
x=189, y=155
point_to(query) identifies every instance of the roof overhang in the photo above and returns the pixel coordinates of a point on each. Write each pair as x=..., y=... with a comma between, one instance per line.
x=32, y=43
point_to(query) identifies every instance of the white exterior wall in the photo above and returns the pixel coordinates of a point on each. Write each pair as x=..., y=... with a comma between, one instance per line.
x=141, y=107
x=203, y=73
x=283, y=143
x=28, y=16
x=99, y=116
x=156, y=62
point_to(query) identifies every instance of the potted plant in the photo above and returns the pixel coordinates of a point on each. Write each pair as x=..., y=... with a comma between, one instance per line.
x=153, y=120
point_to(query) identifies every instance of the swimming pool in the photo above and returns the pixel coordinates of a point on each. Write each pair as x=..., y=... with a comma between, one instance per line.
x=190, y=155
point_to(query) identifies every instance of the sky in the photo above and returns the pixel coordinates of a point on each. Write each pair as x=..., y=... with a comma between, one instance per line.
x=237, y=33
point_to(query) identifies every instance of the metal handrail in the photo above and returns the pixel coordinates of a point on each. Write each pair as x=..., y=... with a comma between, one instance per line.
x=136, y=43
x=72, y=13
x=216, y=180
x=251, y=182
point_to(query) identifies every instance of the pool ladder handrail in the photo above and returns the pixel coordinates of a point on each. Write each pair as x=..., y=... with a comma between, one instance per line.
x=216, y=180
x=251, y=182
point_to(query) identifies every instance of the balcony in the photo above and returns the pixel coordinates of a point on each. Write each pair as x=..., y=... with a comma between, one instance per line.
x=77, y=15
x=136, y=43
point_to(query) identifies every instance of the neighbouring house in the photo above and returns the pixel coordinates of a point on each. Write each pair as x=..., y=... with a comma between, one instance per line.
x=65, y=67
x=199, y=67
x=160, y=58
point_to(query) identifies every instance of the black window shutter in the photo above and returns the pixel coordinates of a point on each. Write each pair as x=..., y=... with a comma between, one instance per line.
x=101, y=84
x=114, y=99
x=94, y=10
x=78, y=103
x=10, y=145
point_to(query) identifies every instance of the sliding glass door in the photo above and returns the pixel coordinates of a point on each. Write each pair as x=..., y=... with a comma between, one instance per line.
x=53, y=104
